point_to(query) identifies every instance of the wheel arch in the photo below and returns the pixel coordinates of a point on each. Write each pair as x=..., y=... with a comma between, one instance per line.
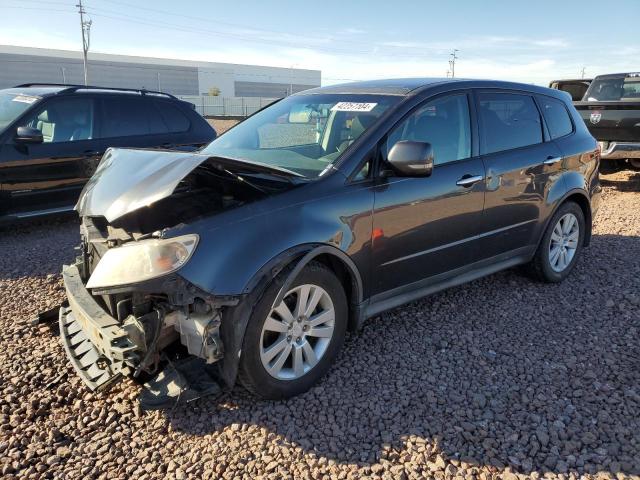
x=580, y=197
x=344, y=268
x=293, y=260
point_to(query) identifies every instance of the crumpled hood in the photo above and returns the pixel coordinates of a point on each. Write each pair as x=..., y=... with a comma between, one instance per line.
x=129, y=179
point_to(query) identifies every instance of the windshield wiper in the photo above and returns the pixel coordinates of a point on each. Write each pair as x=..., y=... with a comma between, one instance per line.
x=235, y=176
x=257, y=166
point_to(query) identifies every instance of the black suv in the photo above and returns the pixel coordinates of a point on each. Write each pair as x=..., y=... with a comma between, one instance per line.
x=53, y=136
x=258, y=252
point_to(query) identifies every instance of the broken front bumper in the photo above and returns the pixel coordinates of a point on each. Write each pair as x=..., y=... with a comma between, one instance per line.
x=98, y=348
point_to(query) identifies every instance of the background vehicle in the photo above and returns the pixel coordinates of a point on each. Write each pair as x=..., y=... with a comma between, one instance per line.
x=53, y=136
x=611, y=111
x=574, y=87
x=326, y=208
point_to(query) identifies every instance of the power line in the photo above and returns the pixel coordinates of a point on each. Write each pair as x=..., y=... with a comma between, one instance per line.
x=190, y=29
x=243, y=26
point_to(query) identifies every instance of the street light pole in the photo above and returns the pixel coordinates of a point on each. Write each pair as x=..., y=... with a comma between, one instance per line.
x=291, y=78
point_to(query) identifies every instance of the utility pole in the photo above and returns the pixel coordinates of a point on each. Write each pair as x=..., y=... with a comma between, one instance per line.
x=85, y=25
x=582, y=72
x=452, y=62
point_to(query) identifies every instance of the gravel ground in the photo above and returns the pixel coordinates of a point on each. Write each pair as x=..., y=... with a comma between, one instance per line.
x=221, y=125
x=500, y=378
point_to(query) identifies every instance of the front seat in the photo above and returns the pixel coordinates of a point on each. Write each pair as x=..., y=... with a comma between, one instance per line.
x=358, y=125
x=46, y=126
x=82, y=129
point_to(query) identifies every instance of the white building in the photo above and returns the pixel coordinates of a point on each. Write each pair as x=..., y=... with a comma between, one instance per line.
x=20, y=65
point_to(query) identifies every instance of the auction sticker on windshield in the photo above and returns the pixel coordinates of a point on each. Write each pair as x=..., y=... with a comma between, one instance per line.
x=25, y=99
x=353, y=107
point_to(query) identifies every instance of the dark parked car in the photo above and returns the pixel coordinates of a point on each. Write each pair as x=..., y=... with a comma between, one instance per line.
x=53, y=136
x=259, y=252
x=611, y=111
x=575, y=87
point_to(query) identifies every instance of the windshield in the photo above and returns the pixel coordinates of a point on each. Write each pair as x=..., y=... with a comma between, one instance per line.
x=12, y=106
x=302, y=133
x=612, y=89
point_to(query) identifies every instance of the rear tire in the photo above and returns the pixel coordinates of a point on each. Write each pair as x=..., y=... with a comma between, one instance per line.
x=288, y=347
x=560, y=246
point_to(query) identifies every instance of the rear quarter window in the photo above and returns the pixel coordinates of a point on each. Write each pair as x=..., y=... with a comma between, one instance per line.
x=173, y=118
x=127, y=116
x=508, y=121
x=557, y=117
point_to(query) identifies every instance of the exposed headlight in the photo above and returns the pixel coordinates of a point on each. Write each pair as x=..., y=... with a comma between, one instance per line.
x=139, y=261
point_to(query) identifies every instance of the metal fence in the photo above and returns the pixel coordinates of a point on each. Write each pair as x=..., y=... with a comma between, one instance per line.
x=209, y=106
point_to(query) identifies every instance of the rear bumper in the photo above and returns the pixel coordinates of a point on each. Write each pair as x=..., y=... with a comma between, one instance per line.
x=620, y=150
x=98, y=348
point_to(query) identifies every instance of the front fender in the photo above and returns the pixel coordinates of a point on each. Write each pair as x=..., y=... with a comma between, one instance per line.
x=240, y=258
x=228, y=258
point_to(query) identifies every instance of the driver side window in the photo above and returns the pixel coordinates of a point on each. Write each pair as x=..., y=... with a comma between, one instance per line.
x=444, y=123
x=64, y=120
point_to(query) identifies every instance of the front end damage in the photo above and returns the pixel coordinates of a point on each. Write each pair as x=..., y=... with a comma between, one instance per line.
x=129, y=311
x=111, y=334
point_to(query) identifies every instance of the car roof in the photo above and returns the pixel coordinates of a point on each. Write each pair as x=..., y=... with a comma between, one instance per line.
x=33, y=91
x=414, y=86
x=618, y=75
x=44, y=90
x=572, y=80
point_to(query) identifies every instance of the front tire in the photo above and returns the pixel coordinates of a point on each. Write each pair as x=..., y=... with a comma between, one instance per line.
x=288, y=347
x=561, y=245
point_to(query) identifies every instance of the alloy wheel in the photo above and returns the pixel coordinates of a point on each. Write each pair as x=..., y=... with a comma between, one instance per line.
x=297, y=332
x=564, y=242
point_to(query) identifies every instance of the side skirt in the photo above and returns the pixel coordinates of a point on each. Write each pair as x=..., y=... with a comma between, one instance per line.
x=408, y=293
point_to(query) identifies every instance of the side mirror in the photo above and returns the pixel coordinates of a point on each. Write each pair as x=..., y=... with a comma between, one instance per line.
x=28, y=135
x=412, y=159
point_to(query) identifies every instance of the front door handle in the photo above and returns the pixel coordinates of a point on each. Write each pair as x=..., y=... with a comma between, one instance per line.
x=551, y=160
x=91, y=153
x=469, y=180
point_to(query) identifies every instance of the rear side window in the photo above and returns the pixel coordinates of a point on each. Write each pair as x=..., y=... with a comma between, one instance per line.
x=126, y=117
x=508, y=121
x=172, y=117
x=557, y=117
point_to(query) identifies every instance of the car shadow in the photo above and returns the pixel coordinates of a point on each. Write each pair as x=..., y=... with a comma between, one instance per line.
x=624, y=181
x=32, y=248
x=491, y=373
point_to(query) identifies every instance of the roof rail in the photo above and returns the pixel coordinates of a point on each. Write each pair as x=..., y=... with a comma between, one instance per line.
x=70, y=88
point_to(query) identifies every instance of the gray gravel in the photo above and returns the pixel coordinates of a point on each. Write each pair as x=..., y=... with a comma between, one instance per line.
x=501, y=378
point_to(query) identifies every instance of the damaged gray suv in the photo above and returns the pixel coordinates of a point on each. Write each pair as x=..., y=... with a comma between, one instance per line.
x=255, y=255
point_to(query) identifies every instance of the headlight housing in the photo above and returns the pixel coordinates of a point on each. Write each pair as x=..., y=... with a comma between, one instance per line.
x=136, y=262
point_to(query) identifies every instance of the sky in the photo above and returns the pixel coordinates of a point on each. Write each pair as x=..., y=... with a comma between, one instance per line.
x=529, y=41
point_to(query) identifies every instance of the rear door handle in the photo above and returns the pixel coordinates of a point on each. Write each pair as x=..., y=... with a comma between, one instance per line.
x=91, y=153
x=552, y=160
x=469, y=180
